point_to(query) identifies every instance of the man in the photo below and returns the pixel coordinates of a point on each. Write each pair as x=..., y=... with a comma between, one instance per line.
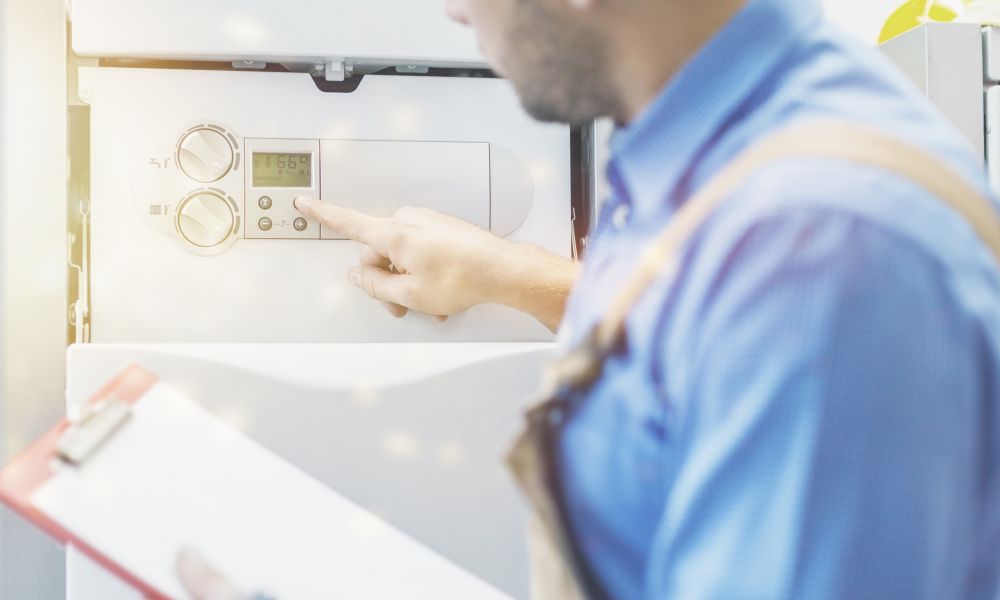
x=810, y=409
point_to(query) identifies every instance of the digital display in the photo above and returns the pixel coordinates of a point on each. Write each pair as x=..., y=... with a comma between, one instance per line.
x=279, y=169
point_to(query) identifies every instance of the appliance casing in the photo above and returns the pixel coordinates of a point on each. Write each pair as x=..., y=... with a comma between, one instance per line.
x=278, y=310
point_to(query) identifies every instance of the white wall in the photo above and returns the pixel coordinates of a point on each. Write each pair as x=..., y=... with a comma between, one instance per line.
x=3, y=177
x=864, y=18
x=32, y=259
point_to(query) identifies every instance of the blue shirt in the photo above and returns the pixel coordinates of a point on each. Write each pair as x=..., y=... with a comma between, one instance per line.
x=810, y=410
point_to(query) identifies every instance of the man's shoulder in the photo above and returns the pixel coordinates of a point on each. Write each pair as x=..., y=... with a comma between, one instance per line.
x=784, y=192
x=812, y=248
x=840, y=223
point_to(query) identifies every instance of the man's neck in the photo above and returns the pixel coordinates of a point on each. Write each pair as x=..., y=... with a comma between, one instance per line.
x=655, y=40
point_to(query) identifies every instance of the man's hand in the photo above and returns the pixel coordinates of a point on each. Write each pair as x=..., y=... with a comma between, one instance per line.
x=435, y=264
x=204, y=582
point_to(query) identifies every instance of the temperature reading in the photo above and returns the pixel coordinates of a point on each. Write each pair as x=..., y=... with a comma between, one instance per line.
x=274, y=169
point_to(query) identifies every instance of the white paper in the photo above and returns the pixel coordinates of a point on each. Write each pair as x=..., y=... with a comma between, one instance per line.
x=174, y=476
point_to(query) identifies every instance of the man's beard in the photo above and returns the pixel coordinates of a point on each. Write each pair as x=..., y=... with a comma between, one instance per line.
x=561, y=71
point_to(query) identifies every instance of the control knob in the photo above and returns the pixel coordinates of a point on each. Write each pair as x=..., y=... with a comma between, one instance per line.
x=205, y=219
x=205, y=155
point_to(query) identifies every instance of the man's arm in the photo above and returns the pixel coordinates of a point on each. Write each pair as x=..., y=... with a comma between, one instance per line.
x=438, y=265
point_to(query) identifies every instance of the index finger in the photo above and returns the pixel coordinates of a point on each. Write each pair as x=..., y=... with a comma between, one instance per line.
x=348, y=223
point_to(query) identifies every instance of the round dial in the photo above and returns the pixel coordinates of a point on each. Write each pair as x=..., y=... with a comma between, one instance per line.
x=205, y=219
x=205, y=155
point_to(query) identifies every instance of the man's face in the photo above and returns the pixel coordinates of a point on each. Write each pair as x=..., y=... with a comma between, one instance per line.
x=556, y=61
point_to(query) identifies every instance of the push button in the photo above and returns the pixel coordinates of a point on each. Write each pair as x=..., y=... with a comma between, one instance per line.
x=300, y=224
x=265, y=224
x=265, y=202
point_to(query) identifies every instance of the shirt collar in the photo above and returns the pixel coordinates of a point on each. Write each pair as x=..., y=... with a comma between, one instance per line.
x=651, y=156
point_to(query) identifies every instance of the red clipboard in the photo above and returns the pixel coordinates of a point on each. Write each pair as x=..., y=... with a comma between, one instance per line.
x=30, y=470
x=180, y=477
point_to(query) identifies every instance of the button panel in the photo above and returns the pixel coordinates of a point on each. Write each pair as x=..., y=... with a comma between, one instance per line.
x=280, y=177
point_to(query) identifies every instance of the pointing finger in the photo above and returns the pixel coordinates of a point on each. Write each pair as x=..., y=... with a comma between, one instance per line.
x=345, y=222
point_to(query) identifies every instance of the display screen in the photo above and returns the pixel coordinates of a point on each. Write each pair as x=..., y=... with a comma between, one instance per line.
x=279, y=169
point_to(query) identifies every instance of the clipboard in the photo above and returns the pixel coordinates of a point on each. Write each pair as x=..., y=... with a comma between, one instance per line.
x=145, y=472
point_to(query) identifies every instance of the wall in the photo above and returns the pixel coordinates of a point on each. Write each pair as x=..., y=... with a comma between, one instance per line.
x=863, y=18
x=3, y=177
x=33, y=251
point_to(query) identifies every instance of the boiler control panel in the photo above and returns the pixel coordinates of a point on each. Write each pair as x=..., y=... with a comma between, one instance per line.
x=191, y=229
x=214, y=187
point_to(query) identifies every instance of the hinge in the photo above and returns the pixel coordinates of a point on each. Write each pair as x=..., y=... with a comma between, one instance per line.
x=79, y=309
x=253, y=65
x=413, y=70
x=93, y=428
x=337, y=69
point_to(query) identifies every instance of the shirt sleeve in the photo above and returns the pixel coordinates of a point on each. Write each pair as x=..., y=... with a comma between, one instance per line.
x=828, y=421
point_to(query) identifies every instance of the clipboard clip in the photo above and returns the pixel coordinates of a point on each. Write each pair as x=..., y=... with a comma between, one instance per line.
x=95, y=426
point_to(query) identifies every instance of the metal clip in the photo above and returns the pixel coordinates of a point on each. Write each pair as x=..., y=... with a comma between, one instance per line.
x=336, y=70
x=253, y=65
x=413, y=69
x=94, y=427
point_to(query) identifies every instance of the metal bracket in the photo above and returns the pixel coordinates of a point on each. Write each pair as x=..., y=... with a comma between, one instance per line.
x=337, y=70
x=94, y=427
x=253, y=65
x=413, y=70
x=78, y=224
x=79, y=312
